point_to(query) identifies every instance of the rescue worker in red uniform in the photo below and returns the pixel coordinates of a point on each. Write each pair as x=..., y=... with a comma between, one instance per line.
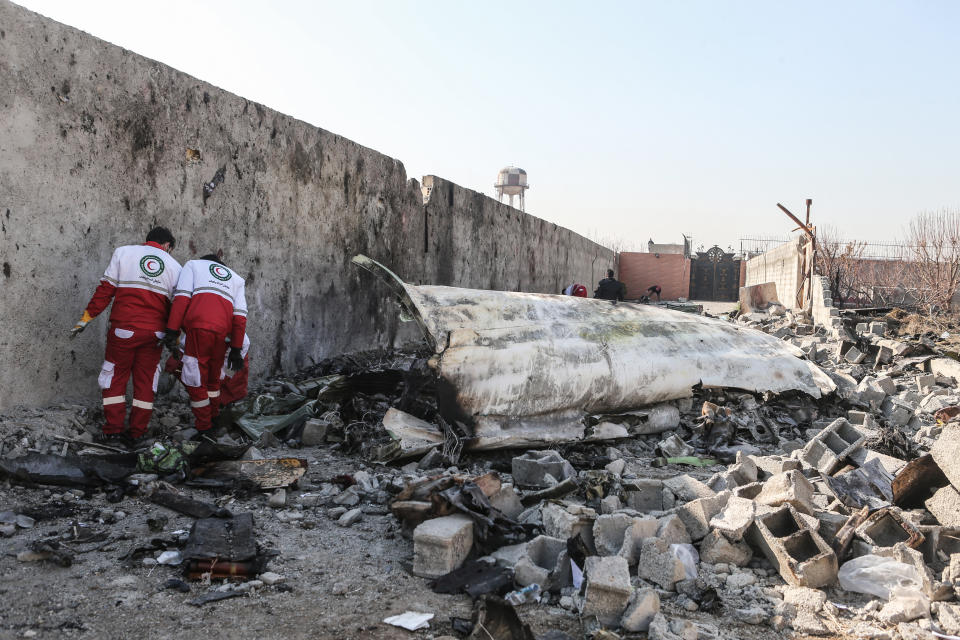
x=233, y=384
x=209, y=304
x=140, y=281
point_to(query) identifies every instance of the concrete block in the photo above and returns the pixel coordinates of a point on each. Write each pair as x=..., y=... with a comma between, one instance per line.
x=854, y=356
x=716, y=548
x=644, y=494
x=659, y=565
x=888, y=527
x=888, y=384
x=608, y=531
x=946, y=453
x=639, y=530
x=744, y=471
x=791, y=488
x=772, y=465
x=688, y=488
x=829, y=448
x=870, y=394
x=735, y=518
x=800, y=555
x=545, y=562
x=696, y=514
x=610, y=504
x=643, y=606
x=884, y=355
x=878, y=328
x=607, y=588
x=441, y=545
x=672, y=530
x=749, y=491
x=862, y=328
x=926, y=382
x=947, y=367
x=565, y=523
x=945, y=506
x=314, y=432
x=541, y=469
x=616, y=467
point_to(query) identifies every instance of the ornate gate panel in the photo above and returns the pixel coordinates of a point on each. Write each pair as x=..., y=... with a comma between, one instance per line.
x=715, y=276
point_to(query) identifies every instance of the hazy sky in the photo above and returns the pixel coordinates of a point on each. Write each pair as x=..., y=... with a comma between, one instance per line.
x=633, y=119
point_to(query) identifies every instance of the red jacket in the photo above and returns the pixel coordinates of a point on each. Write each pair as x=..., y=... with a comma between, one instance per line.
x=210, y=296
x=140, y=280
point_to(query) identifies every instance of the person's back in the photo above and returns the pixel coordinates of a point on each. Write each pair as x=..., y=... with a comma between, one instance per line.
x=610, y=288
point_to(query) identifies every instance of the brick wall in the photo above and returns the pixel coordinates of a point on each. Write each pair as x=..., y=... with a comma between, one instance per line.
x=641, y=270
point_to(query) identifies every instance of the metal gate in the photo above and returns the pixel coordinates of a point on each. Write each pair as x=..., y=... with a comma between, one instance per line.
x=715, y=276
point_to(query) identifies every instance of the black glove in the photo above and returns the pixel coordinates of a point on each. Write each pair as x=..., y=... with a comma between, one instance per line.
x=235, y=359
x=172, y=340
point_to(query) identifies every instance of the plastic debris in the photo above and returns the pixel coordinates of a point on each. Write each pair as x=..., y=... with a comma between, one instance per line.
x=530, y=593
x=410, y=620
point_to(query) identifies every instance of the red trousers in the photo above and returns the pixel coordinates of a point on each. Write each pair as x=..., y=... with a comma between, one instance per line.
x=233, y=388
x=202, y=365
x=129, y=351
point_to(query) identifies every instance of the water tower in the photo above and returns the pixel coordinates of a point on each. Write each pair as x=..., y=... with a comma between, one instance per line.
x=511, y=181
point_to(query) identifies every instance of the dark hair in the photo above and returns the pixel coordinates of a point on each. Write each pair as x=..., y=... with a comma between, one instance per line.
x=212, y=257
x=161, y=235
x=609, y=273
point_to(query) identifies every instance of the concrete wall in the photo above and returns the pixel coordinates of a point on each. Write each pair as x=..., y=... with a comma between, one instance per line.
x=669, y=270
x=93, y=152
x=783, y=266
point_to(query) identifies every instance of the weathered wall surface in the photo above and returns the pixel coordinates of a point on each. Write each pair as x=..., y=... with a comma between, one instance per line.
x=93, y=152
x=782, y=266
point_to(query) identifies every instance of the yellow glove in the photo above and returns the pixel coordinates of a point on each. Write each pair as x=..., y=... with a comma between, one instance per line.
x=81, y=325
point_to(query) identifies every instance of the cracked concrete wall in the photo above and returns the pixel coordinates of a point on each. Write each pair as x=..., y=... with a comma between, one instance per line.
x=93, y=152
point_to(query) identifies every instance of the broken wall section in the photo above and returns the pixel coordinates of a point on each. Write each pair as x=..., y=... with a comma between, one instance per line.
x=782, y=265
x=98, y=144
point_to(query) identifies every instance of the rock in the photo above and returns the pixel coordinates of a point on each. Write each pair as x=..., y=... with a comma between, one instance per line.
x=270, y=578
x=336, y=512
x=616, y=467
x=948, y=615
x=278, y=499
x=25, y=522
x=349, y=497
x=904, y=609
x=643, y=606
x=314, y=432
x=688, y=488
x=8, y=530
x=350, y=517
x=659, y=629
x=610, y=504
x=805, y=598
x=750, y=615
x=715, y=548
x=740, y=580
x=659, y=565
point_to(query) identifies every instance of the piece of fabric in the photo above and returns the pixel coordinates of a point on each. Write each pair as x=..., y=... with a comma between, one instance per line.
x=203, y=355
x=210, y=296
x=136, y=354
x=140, y=281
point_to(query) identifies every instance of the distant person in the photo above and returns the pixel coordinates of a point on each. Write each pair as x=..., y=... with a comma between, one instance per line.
x=610, y=288
x=654, y=290
x=576, y=289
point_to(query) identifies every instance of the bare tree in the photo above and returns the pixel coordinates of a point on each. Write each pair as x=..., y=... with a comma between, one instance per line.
x=933, y=252
x=841, y=261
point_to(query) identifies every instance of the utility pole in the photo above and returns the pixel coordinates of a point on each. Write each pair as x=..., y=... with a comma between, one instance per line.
x=803, y=296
